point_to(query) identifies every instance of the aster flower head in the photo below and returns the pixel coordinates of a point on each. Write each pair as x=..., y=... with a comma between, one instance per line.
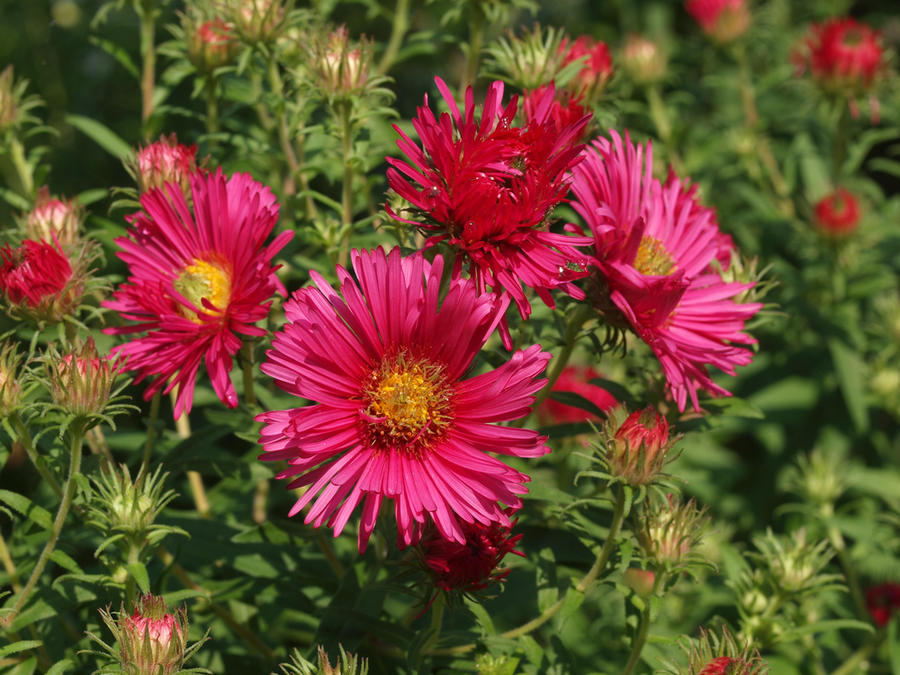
x=384, y=359
x=81, y=380
x=837, y=214
x=39, y=282
x=575, y=380
x=883, y=601
x=165, y=161
x=54, y=219
x=200, y=278
x=596, y=69
x=843, y=55
x=471, y=566
x=486, y=187
x=722, y=20
x=653, y=245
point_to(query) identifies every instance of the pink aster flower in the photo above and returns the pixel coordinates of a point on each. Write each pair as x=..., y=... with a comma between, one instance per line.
x=486, y=188
x=837, y=213
x=198, y=280
x=394, y=415
x=653, y=245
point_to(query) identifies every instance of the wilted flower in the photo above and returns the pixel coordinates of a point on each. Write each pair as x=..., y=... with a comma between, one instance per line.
x=81, y=381
x=575, y=380
x=394, y=415
x=882, y=602
x=38, y=281
x=54, y=219
x=10, y=388
x=486, y=188
x=473, y=565
x=341, y=65
x=198, y=280
x=843, y=55
x=670, y=531
x=838, y=213
x=722, y=20
x=165, y=161
x=596, y=69
x=637, y=447
x=643, y=60
x=211, y=44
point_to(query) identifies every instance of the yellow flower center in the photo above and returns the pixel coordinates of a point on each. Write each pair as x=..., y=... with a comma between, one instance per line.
x=408, y=402
x=653, y=259
x=204, y=279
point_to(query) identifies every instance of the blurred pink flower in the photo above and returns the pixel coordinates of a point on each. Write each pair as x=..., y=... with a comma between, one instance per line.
x=722, y=20
x=576, y=380
x=394, y=417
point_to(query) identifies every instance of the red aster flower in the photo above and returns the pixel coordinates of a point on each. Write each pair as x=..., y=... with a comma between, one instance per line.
x=166, y=161
x=653, y=245
x=576, y=379
x=882, y=601
x=837, y=214
x=198, y=280
x=394, y=416
x=597, y=68
x=473, y=565
x=844, y=56
x=486, y=188
x=37, y=281
x=722, y=20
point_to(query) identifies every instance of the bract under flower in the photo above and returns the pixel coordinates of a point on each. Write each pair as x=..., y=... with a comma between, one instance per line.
x=394, y=417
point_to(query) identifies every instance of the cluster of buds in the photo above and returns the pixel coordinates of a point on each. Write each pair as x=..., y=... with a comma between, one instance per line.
x=165, y=161
x=844, y=56
x=54, y=219
x=496, y=664
x=837, y=213
x=341, y=65
x=670, y=531
x=150, y=641
x=793, y=565
x=211, y=43
x=714, y=655
x=644, y=60
x=722, y=20
x=258, y=21
x=10, y=388
x=636, y=446
x=575, y=380
x=81, y=382
x=473, y=565
x=347, y=664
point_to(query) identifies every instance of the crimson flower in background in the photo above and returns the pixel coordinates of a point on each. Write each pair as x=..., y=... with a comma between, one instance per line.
x=843, y=55
x=37, y=281
x=486, y=188
x=394, y=416
x=198, y=280
x=576, y=380
x=722, y=20
x=473, y=565
x=882, y=602
x=653, y=245
x=597, y=68
x=837, y=214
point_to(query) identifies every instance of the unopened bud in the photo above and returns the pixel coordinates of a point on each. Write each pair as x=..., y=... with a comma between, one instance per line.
x=54, y=218
x=637, y=446
x=10, y=389
x=211, y=44
x=151, y=641
x=9, y=107
x=38, y=282
x=258, y=20
x=640, y=581
x=165, y=161
x=341, y=64
x=671, y=531
x=838, y=213
x=643, y=60
x=81, y=381
x=722, y=20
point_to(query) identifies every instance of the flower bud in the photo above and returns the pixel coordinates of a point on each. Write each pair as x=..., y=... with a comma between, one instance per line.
x=820, y=478
x=637, y=447
x=9, y=108
x=844, y=56
x=643, y=60
x=81, y=381
x=53, y=218
x=151, y=641
x=722, y=20
x=258, y=20
x=670, y=531
x=38, y=282
x=119, y=504
x=596, y=69
x=640, y=581
x=210, y=44
x=838, y=213
x=794, y=564
x=882, y=602
x=496, y=664
x=341, y=65
x=714, y=655
x=346, y=664
x=10, y=389
x=165, y=161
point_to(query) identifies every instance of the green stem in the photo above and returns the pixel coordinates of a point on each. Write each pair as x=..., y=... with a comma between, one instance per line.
x=437, y=621
x=596, y=569
x=399, y=26
x=640, y=638
x=839, y=144
x=76, y=437
x=663, y=124
x=134, y=556
x=148, y=57
x=23, y=171
x=284, y=132
x=582, y=313
x=151, y=439
x=346, y=130
x=837, y=540
x=212, y=110
x=330, y=555
x=476, y=40
x=38, y=461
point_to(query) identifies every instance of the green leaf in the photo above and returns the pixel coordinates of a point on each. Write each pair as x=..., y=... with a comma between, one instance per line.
x=21, y=646
x=63, y=559
x=572, y=602
x=102, y=135
x=14, y=199
x=255, y=565
x=59, y=667
x=139, y=572
x=23, y=505
x=482, y=616
x=117, y=52
x=851, y=373
x=832, y=624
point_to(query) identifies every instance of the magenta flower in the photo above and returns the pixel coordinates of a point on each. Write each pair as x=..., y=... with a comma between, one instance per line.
x=394, y=416
x=486, y=187
x=198, y=281
x=653, y=244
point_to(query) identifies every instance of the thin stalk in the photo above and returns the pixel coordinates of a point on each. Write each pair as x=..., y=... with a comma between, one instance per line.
x=399, y=26
x=582, y=313
x=183, y=429
x=38, y=461
x=212, y=111
x=346, y=129
x=76, y=437
x=837, y=540
x=839, y=143
x=640, y=638
x=437, y=621
x=151, y=439
x=330, y=556
x=857, y=658
x=660, y=117
x=284, y=132
x=96, y=440
x=148, y=58
x=239, y=628
x=9, y=566
x=596, y=569
x=134, y=556
x=23, y=171
x=476, y=40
